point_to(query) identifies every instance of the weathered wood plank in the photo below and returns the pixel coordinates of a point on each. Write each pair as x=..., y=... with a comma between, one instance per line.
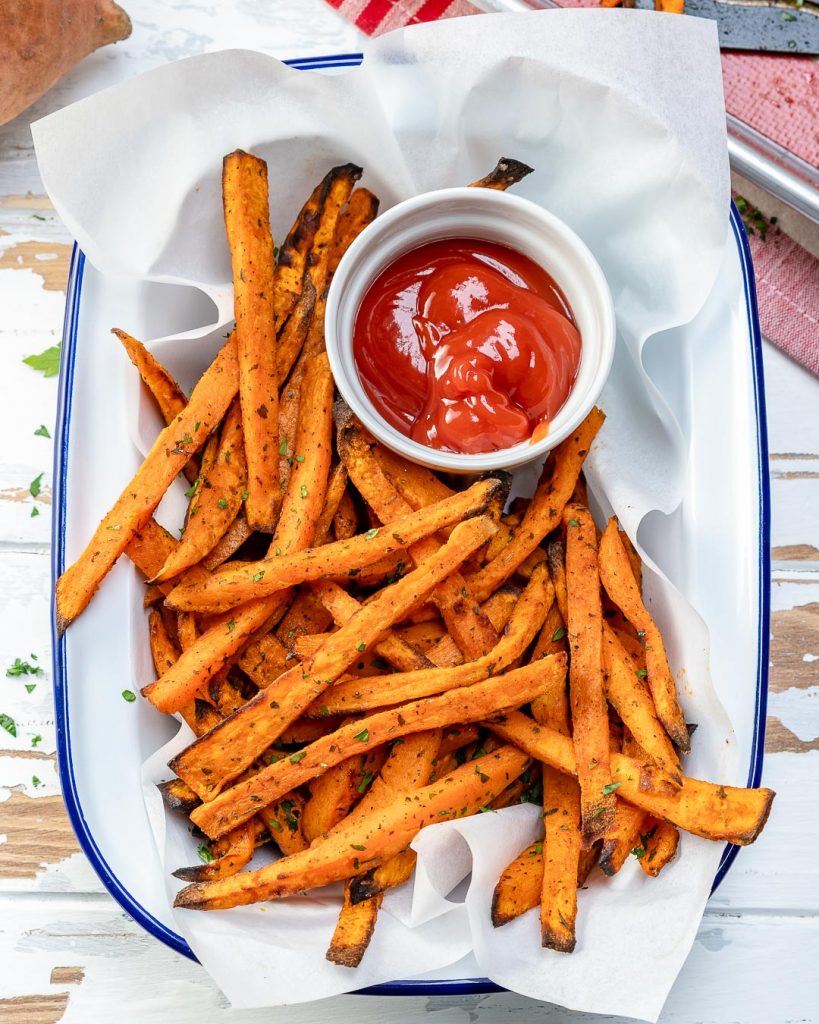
x=44, y=1009
x=795, y=647
x=49, y=260
x=795, y=553
x=37, y=834
x=731, y=974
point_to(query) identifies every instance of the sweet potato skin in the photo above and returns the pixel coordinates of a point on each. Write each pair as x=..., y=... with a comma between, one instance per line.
x=43, y=39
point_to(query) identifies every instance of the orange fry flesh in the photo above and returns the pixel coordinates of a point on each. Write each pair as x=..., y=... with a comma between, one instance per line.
x=590, y=718
x=618, y=579
x=247, y=222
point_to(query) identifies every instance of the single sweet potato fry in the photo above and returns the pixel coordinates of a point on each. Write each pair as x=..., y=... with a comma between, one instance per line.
x=345, y=521
x=388, y=875
x=506, y=173
x=215, y=502
x=416, y=485
x=171, y=450
x=290, y=396
x=658, y=845
x=177, y=796
x=561, y=827
x=353, y=931
x=552, y=637
x=340, y=182
x=304, y=498
x=230, y=855
x=353, y=847
x=361, y=210
x=590, y=721
x=622, y=836
x=618, y=579
x=247, y=222
x=556, y=560
x=163, y=650
x=150, y=548
x=293, y=253
x=628, y=694
x=336, y=488
x=519, y=886
x=283, y=820
x=166, y=392
x=264, y=660
x=168, y=395
x=237, y=533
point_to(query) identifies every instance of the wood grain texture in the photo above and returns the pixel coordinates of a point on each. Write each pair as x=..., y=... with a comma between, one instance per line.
x=49, y=261
x=780, y=739
x=37, y=833
x=795, y=553
x=66, y=975
x=45, y=1009
x=794, y=634
x=132, y=979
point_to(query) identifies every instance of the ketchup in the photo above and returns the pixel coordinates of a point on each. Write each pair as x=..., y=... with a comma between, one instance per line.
x=466, y=346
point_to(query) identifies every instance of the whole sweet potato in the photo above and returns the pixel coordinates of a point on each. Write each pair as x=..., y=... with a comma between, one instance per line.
x=40, y=40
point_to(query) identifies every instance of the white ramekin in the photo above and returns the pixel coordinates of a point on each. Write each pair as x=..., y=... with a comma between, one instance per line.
x=497, y=217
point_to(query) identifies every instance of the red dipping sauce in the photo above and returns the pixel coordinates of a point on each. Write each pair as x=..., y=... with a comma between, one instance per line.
x=466, y=346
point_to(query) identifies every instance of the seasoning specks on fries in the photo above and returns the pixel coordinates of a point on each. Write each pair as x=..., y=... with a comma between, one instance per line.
x=362, y=650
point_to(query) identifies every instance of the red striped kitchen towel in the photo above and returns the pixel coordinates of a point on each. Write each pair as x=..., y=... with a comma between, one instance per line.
x=777, y=95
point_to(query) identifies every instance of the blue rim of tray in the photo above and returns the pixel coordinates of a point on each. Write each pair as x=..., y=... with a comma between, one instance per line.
x=455, y=986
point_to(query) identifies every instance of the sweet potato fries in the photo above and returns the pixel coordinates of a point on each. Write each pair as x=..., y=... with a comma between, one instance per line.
x=361, y=649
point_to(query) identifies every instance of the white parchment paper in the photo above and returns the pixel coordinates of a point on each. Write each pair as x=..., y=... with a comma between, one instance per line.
x=621, y=114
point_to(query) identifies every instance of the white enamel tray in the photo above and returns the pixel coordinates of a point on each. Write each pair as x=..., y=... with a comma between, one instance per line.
x=714, y=548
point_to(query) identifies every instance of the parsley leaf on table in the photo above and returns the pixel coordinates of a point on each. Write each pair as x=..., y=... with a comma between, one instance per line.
x=46, y=362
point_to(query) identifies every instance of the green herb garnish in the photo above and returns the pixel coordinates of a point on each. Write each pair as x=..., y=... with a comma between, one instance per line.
x=23, y=668
x=46, y=362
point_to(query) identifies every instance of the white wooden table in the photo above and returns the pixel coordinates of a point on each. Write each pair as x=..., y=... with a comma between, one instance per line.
x=67, y=951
